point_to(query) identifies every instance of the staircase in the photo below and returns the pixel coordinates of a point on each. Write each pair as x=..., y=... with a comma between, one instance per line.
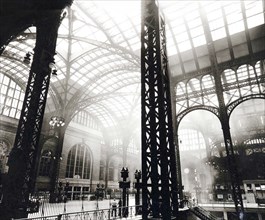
x=202, y=213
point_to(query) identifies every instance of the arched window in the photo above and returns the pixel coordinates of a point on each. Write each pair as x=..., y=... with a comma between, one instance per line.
x=78, y=162
x=45, y=163
x=191, y=140
x=11, y=97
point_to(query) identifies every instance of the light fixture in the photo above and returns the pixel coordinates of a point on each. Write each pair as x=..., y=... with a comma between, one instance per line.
x=54, y=72
x=53, y=68
x=52, y=65
x=27, y=58
x=56, y=121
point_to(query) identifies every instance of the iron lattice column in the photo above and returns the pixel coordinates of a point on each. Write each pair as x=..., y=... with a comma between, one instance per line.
x=159, y=184
x=224, y=119
x=22, y=159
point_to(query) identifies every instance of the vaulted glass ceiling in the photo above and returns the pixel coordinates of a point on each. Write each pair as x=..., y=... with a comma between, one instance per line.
x=98, y=51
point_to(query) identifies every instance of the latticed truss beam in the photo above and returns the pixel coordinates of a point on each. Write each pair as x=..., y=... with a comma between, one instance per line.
x=159, y=182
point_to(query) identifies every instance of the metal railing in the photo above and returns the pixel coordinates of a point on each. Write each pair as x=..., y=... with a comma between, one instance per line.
x=128, y=212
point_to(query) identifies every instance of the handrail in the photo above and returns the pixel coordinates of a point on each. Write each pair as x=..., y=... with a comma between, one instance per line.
x=201, y=212
x=98, y=214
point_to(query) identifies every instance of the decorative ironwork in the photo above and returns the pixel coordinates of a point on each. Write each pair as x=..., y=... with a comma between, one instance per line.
x=181, y=115
x=159, y=180
x=234, y=104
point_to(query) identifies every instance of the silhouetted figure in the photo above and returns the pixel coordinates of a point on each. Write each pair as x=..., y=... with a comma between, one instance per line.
x=114, y=208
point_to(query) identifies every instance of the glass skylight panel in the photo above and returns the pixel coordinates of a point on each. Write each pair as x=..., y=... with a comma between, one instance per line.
x=129, y=33
x=62, y=47
x=234, y=17
x=253, y=7
x=217, y=23
x=125, y=25
x=61, y=76
x=182, y=37
x=255, y=20
x=180, y=28
x=198, y=41
x=236, y=27
x=114, y=31
x=74, y=78
x=95, y=89
x=218, y=34
x=81, y=29
x=64, y=29
x=77, y=47
x=108, y=24
x=196, y=31
x=213, y=15
x=183, y=46
x=254, y=13
x=79, y=14
x=194, y=22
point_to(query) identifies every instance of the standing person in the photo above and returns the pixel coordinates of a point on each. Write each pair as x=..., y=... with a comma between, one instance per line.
x=114, y=208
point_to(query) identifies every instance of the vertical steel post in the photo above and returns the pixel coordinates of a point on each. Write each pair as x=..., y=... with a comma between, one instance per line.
x=159, y=182
x=224, y=119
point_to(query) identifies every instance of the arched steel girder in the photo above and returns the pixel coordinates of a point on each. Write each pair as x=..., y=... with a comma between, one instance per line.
x=95, y=99
x=101, y=97
x=73, y=110
x=231, y=107
x=77, y=102
x=110, y=113
x=121, y=32
x=114, y=48
x=74, y=103
x=99, y=25
x=92, y=67
x=12, y=56
x=99, y=44
x=19, y=82
x=211, y=109
x=80, y=92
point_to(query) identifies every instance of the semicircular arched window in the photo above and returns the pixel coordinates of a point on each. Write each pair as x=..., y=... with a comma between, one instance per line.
x=78, y=162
